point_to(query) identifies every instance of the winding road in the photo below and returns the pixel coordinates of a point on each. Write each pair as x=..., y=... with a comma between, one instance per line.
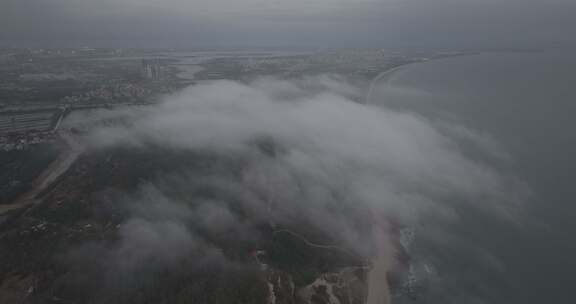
x=329, y=247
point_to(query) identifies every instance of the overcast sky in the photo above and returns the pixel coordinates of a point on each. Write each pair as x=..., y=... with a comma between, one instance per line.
x=189, y=23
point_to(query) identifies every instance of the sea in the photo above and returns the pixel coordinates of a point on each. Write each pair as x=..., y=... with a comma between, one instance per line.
x=525, y=102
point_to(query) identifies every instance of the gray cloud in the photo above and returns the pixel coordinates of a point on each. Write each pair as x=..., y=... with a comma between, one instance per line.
x=320, y=22
x=307, y=154
x=397, y=163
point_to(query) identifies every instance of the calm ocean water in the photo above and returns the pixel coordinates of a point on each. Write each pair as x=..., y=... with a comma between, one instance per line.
x=527, y=102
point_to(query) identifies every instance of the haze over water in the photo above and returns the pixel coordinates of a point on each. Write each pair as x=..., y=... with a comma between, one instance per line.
x=527, y=103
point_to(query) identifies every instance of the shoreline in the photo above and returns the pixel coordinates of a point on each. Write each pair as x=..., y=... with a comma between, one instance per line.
x=391, y=71
x=385, y=73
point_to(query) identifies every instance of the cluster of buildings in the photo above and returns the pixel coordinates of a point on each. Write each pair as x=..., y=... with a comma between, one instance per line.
x=153, y=69
x=350, y=62
x=22, y=141
x=125, y=92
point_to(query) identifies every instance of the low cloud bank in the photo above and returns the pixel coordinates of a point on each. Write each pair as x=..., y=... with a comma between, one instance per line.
x=310, y=152
x=392, y=161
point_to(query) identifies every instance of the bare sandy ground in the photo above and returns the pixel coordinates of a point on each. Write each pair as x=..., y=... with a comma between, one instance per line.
x=384, y=260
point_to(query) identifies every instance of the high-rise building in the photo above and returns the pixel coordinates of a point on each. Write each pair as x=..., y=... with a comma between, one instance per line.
x=152, y=69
